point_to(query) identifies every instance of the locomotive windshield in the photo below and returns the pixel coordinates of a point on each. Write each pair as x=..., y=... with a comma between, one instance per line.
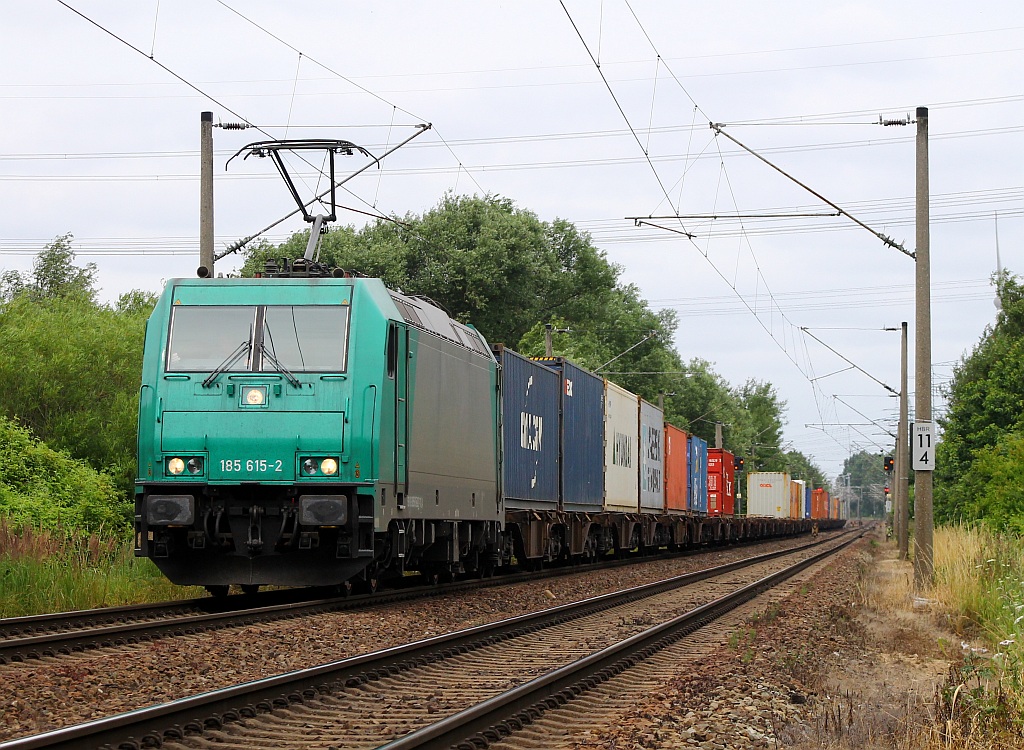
x=299, y=338
x=307, y=338
x=203, y=337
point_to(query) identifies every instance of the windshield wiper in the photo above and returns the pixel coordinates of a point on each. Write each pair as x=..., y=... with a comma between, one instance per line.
x=241, y=349
x=267, y=354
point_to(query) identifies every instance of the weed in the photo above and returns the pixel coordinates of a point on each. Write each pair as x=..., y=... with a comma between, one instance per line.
x=45, y=571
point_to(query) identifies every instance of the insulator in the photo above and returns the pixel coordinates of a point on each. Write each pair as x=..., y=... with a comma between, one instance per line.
x=887, y=123
x=234, y=125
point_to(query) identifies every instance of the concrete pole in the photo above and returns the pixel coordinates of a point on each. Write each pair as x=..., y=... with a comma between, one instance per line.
x=549, y=347
x=902, y=459
x=205, y=195
x=924, y=561
x=718, y=434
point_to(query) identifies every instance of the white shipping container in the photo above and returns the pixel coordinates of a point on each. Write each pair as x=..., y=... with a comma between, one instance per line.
x=621, y=449
x=652, y=457
x=768, y=494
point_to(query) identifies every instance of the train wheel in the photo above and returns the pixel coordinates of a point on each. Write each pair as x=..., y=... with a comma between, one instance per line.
x=365, y=586
x=250, y=588
x=218, y=592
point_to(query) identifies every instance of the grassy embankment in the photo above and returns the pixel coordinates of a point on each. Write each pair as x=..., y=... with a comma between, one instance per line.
x=979, y=595
x=44, y=571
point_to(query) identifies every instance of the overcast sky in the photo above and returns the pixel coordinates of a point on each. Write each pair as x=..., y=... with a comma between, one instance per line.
x=595, y=112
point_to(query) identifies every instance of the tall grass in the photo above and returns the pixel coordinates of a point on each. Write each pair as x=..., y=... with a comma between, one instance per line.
x=46, y=571
x=978, y=593
x=979, y=581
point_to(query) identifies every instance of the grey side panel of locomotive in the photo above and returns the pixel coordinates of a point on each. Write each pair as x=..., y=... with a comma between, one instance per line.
x=452, y=434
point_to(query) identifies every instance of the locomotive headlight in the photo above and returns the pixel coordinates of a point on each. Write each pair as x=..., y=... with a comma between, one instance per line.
x=175, y=466
x=309, y=466
x=194, y=465
x=329, y=466
x=254, y=395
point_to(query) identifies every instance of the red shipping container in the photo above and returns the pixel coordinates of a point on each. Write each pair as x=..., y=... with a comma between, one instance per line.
x=676, y=469
x=721, y=482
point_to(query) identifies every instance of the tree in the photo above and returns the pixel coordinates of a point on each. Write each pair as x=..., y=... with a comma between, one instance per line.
x=980, y=430
x=997, y=476
x=54, y=275
x=71, y=371
x=12, y=284
x=137, y=303
x=484, y=260
x=800, y=466
x=867, y=481
x=760, y=425
x=44, y=488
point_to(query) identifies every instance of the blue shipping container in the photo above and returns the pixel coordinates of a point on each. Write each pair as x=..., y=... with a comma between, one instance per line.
x=807, y=501
x=581, y=436
x=698, y=484
x=529, y=399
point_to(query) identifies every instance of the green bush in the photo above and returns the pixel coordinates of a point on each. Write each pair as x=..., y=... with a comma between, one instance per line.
x=46, y=489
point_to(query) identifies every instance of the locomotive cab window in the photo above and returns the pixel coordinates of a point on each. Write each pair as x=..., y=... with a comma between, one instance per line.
x=299, y=338
x=204, y=337
x=306, y=338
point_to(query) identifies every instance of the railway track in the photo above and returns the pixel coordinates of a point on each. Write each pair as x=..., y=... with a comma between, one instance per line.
x=486, y=681
x=25, y=639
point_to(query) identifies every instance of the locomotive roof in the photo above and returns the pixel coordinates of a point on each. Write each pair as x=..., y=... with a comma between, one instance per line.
x=430, y=317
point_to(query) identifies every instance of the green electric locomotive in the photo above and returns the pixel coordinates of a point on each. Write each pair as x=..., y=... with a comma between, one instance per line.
x=303, y=430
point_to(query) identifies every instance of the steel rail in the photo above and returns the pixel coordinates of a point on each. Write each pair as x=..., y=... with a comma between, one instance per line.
x=497, y=717
x=150, y=726
x=71, y=632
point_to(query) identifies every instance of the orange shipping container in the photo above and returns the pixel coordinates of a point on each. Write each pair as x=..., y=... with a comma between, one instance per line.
x=676, y=469
x=819, y=503
x=796, y=492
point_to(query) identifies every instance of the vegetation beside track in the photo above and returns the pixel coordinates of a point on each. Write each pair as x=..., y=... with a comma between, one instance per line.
x=978, y=596
x=43, y=571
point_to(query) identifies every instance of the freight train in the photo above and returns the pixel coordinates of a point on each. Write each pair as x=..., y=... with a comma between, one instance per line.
x=776, y=494
x=311, y=428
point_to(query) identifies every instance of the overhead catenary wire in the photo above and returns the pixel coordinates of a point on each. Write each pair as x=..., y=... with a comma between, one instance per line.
x=235, y=246
x=870, y=420
x=171, y=72
x=687, y=232
x=719, y=130
x=348, y=80
x=851, y=362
